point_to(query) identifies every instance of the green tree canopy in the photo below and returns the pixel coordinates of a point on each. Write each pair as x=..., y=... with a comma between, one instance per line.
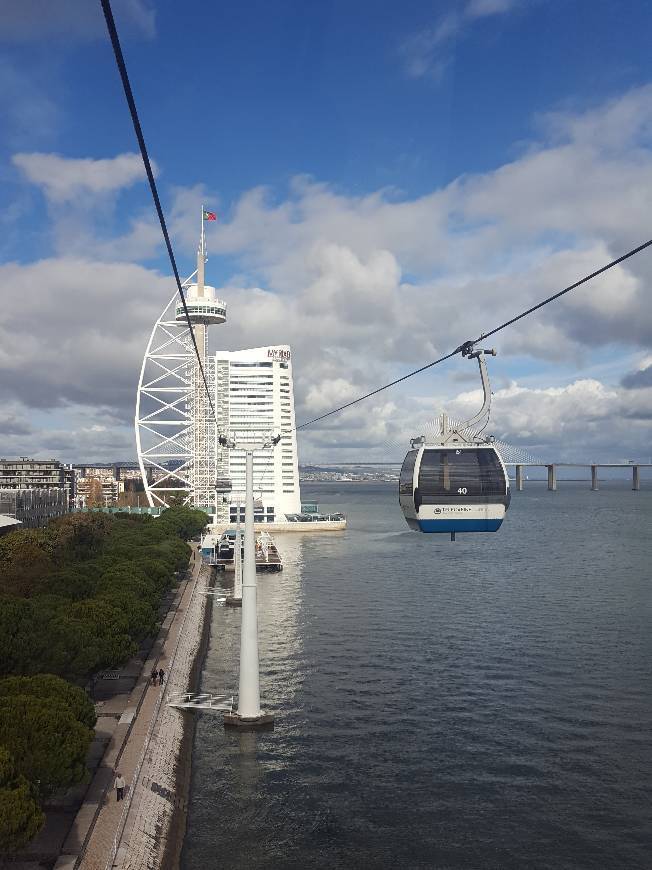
x=75, y=581
x=77, y=535
x=21, y=640
x=20, y=815
x=186, y=522
x=88, y=636
x=80, y=593
x=140, y=615
x=52, y=688
x=24, y=565
x=48, y=744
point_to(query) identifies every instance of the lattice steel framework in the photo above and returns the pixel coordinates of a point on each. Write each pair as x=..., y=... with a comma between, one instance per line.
x=176, y=437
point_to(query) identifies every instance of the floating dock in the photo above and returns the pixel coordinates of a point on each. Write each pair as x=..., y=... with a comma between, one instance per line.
x=268, y=557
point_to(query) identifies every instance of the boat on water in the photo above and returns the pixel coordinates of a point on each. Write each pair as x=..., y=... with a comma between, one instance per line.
x=220, y=551
x=316, y=518
x=308, y=519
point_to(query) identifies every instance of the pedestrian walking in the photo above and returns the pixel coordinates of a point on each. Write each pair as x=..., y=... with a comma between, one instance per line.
x=119, y=786
x=161, y=676
x=154, y=676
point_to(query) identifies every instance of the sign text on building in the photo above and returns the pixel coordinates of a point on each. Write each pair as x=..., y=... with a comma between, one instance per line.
x=278, y=354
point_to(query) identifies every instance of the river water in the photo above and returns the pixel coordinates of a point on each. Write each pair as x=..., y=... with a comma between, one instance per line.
x=479, y=704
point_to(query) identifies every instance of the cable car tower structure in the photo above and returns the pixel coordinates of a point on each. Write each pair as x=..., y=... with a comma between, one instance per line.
x=179, y=453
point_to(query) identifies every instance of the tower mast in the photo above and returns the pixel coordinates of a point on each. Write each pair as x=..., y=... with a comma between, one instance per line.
x=176, y=436
x=201, y=257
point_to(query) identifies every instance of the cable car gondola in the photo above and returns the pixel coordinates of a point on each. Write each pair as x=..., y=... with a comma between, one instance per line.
x=457, y=482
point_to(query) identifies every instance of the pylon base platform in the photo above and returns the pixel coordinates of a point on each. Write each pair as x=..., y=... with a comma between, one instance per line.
x=233, y=720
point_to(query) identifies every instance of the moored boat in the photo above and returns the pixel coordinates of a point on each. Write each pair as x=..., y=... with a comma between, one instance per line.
x=220, y=551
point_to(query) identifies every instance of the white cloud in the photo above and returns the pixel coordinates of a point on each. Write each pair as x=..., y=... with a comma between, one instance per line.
x=12, y=423
x=83, y=194
x=585, y=419
x=477, y=252
x=428, y=52
x=483, y=8
x=71, y=20
x=73, y=332
x=488, y=244
x=65, y=179
x=368, y=287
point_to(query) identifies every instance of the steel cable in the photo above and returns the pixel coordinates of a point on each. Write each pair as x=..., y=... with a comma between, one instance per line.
x=467, y=346
x=119, y=58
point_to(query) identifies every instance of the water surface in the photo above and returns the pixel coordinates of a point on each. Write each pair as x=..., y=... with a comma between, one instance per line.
x=482, y=704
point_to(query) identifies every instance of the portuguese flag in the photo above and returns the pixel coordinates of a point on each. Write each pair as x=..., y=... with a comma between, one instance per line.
x=210, y=216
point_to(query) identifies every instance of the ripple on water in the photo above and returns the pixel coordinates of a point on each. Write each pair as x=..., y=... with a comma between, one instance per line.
x=479, y=705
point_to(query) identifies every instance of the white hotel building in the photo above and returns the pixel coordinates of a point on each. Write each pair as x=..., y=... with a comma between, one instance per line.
x=254, y=399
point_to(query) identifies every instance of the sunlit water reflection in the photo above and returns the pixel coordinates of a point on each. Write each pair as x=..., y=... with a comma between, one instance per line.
x=483, y=704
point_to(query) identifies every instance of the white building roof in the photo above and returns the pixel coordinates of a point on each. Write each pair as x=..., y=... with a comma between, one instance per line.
x=8, y=521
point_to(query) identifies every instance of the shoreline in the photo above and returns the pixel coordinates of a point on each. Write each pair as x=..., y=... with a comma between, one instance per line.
x=154, y=824
x=154, y=754
x=171, y=857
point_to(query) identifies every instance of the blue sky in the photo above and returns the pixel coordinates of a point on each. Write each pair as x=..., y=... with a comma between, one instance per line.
x=237, y=95
x=419, y=154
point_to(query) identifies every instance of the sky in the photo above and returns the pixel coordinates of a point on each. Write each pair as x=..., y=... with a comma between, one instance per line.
x=390, y=180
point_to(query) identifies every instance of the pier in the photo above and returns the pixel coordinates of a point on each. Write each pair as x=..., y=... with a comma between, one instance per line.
x=520, y=474
x=268, y=557
x=594, y=466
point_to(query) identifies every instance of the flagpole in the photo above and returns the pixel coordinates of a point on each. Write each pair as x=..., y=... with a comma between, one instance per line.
x=201, y=258
x=203, y=236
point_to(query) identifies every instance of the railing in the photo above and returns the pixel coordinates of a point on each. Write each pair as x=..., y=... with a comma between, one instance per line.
x=201, y=701
x=217, y=594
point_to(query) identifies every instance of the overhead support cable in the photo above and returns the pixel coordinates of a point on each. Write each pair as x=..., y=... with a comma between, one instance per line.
x=379, y=390
x=467, y=347
x=565, y=290
x=119, y=58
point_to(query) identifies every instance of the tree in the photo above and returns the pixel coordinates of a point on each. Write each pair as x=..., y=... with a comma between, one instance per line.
x=156, y=570
x=174, y=551
x=177, y=497
x=20, y=815
x=48, y=744
x=24, y=566
x=22, y=643
x=185, y=522
x=88, y=636
x=129, y=578
x=139, y=615
x=78, y=536
x=11, y=544
x=75, y=581
x=94, y=498
x=85, y=587
x=51, y=688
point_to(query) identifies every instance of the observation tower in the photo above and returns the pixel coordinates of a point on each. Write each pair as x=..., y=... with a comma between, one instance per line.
x=179, y=455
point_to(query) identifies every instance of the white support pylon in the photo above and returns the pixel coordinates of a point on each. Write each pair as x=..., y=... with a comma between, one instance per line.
x=237, y=556
x=249, y=712
x=249, y=690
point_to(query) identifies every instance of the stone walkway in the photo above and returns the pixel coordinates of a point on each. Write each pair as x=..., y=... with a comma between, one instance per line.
x=95, y=834
x=148, y=831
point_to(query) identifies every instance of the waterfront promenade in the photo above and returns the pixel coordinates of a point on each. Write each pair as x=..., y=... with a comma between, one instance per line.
x=146, y=746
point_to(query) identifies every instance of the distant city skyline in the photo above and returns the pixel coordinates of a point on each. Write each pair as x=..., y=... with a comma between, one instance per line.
x=388, y=182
